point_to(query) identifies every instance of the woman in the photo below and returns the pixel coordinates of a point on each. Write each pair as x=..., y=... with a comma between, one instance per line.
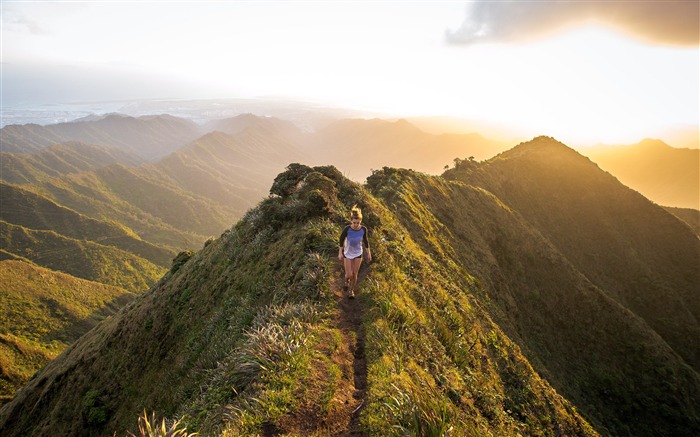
x=352, y=240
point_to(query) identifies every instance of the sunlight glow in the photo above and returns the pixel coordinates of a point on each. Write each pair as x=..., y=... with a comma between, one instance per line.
x=582, y=85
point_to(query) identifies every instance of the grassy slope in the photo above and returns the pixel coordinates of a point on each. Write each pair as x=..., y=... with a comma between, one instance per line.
x=635, y=251
x=87, y=194
x=58, y=159
x=28, y=209
x=80, y=258
x=246, y=326
x=44, y=311
x=595, y=352
x=27, y=138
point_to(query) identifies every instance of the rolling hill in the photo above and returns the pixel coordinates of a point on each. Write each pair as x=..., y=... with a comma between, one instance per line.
x=474, y=318
x=25, y=208
x=60, y=159
x=43, y=312
x=688, y=215
x=81, y=258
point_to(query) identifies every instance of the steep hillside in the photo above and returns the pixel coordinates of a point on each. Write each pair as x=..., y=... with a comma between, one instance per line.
x=596, y=353
x=59, y=159
x=253, y=319
x=689, y=216
x=467, y=320
x=150, y=137
x=356, y=146
x=44, y=311
x=27, y=138
x=635, y=251
x=27, y=209
x=231, y=169
x=142, y=200
x=666, y=175
x=80, y=258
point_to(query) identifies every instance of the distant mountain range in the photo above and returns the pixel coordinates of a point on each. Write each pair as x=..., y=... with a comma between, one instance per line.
x=530, y=294
x=664, y=174
x=565, y=269
x=150, y=137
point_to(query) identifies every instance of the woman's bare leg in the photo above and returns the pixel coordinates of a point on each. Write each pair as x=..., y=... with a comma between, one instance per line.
x=355, y=272
x=348, y=272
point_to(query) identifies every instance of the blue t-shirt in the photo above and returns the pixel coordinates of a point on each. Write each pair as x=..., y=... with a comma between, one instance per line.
x=352, y=241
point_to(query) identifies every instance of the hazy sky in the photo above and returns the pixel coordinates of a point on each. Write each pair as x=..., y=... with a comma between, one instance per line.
x=582, y=71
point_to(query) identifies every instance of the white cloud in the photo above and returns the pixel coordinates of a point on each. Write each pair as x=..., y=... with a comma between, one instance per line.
x=664, y=22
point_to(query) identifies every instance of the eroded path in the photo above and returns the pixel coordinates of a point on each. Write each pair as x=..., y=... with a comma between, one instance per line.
x=349, y=317
x=344, y=349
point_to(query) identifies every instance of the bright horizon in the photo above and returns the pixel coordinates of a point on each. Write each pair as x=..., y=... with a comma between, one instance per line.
x=585, y=72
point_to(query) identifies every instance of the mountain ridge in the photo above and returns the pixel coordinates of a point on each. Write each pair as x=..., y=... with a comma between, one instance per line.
x=149, y=137
x=476, y=319
x=581, y=209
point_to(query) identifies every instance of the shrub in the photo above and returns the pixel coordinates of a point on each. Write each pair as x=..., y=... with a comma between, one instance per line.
x=287, y=183
x=149, y=427
x=180, y=260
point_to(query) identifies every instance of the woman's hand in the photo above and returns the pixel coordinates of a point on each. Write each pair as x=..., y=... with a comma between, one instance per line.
x=340, y=256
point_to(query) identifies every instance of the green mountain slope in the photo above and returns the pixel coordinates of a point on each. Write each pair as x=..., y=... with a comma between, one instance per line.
x=597, y=354
x=635, y=251
x=27, y=209
x=666, y=175
x=26, y=138
x=250, y=318
x=80, y=258
x=59, y=159
x=43, y=312
x=230, y=169
x=467, y=321
x=119, y=193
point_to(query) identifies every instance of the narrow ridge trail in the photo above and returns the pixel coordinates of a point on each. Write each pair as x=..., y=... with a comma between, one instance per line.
x=346, y=351
x=349, y=317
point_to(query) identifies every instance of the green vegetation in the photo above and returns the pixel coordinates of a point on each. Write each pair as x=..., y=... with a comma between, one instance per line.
x=80, y=258
x=479, y=315
x=43, y=312
x=625, y=245
x=59, y=159
x=25, y=208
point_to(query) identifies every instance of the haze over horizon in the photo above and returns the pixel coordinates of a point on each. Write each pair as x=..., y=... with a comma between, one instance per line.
x=584, y=72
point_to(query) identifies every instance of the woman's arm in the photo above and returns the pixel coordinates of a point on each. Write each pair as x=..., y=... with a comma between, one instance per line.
x=341, y=242
x=365, y=241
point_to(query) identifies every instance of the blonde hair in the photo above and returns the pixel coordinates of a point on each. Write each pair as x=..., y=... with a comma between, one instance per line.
x=355, y=213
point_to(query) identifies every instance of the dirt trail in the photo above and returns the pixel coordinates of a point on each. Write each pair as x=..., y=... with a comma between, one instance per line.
x=348, y=354
x=350, y=313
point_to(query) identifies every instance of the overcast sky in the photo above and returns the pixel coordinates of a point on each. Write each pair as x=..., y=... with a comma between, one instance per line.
x=588, y=70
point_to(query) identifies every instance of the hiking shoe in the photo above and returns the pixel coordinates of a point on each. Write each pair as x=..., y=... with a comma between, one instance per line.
x=351, y=295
